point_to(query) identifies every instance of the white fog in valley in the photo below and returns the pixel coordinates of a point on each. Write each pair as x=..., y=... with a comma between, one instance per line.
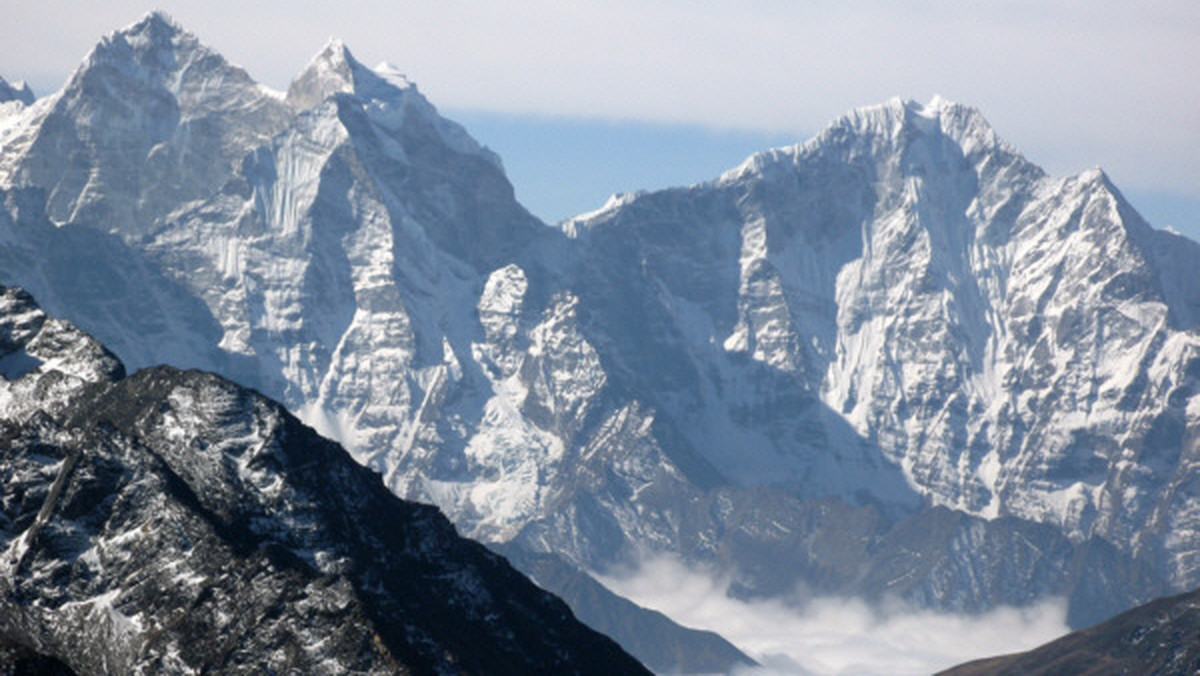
x=828, y=636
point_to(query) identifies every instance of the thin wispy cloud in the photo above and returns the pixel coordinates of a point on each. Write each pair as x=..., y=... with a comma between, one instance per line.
x=828, y=636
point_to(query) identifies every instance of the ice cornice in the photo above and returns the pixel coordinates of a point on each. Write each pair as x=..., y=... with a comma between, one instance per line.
x=393, y=75
x=940, y=116
x=577, y=226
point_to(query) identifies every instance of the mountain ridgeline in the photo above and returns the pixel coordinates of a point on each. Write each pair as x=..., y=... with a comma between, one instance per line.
x=174, y=522
x=897, y=359
x=1156, y=638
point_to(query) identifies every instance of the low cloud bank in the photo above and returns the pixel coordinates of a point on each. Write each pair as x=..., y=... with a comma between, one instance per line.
x=835, y=636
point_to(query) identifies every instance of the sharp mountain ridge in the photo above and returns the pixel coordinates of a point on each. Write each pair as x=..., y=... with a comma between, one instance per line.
x=172, y=521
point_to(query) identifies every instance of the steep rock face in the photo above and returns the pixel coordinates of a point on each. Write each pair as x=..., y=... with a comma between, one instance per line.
x=805, y=353
x=173, y=521
x=340, y=248
x=1017, y=345
x=150, y=121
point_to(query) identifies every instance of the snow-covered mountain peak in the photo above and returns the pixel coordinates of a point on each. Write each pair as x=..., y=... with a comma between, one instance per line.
x=908, y=122
x=335, y=50
x=1096, y=177
x=155, y=43
x=334, y=70
x=935, y=117
x=155, y=25
x=385, y=93
x=163, y=118
x=155, y=59
x=330, y=72
x=15, y=91
x=890, y=134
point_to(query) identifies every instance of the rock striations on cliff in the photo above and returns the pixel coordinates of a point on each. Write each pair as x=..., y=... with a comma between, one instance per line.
x=174, y=522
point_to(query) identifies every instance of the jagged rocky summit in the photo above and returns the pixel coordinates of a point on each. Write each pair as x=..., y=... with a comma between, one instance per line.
x=171, y=521
x=897, y=359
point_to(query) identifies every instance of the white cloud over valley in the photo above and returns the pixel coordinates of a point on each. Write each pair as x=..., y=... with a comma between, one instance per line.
x=828, y=636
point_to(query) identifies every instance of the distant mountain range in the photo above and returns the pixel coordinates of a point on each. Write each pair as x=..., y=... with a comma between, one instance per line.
x=895, y=360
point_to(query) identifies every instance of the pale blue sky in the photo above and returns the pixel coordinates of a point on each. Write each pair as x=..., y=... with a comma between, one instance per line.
x=588, y=97
x=561, y=167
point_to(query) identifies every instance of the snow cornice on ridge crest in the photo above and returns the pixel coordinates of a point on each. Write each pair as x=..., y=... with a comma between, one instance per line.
x=336, y=63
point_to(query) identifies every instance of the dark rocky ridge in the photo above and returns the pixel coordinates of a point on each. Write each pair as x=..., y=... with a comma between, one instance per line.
x=1160, y=638
x=173, y=521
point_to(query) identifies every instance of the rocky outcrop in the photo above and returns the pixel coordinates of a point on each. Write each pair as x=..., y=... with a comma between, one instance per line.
x=172, y=521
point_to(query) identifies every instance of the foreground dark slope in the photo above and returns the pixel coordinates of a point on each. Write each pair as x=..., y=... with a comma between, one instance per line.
x=174, y=521
x=1160, y=638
